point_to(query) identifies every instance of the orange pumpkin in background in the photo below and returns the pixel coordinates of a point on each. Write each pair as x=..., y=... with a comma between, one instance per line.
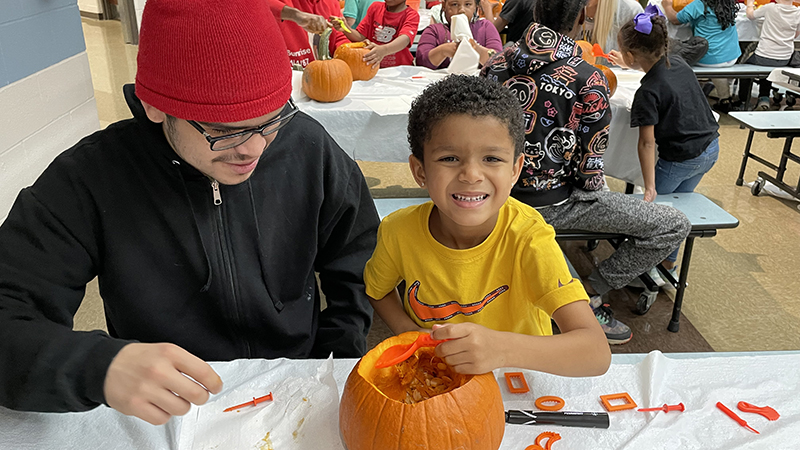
x=353, y=55
x=611, y=77
x=587, y=54
x=421, y=403
x=678, y=5
x=325, y=79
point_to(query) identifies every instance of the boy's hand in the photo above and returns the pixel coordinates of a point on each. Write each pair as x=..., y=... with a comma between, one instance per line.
x=375, y=55
x=336, y=23
x=472, y=349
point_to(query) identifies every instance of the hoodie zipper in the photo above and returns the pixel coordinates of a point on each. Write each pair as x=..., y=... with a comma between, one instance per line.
x=215, y=192
x=226, y=259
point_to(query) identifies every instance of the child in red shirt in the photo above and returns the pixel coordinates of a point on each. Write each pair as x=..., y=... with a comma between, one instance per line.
x=389, y=29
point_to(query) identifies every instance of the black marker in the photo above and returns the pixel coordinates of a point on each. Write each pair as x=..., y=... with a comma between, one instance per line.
x=563, y=418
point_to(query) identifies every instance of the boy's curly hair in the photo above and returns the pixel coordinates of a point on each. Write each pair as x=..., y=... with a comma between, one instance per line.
x=655, y=44
x=463, y=94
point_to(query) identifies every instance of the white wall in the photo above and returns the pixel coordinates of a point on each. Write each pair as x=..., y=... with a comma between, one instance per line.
x=91, y=6
x=42, y=115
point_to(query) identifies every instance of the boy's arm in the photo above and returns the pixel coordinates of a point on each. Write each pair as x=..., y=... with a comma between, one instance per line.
x=647, y=160
x=390, y=309
x=378, y=52
x=751, y=9
x=593, y=142
x=352, y=35
x=580, y=350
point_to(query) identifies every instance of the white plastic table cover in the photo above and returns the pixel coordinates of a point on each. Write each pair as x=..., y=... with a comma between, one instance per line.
x=699, y=381
x=779, y=77
x=371, y=123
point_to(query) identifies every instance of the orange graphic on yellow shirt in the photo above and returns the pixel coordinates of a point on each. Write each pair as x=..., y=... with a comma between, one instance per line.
x=427, y=313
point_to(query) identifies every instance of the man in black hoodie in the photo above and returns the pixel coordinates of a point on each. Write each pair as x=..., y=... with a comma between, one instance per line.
x=205, y=219
x=566, y=107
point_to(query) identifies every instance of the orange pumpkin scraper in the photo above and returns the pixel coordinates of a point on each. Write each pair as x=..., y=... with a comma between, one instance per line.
x=253, y=402
x=401, y=352
x=597, y=51
x=733, y=416
x=765, y=411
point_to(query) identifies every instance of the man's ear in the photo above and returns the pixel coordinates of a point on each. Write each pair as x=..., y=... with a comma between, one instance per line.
x=155, y=115
x=417, y=170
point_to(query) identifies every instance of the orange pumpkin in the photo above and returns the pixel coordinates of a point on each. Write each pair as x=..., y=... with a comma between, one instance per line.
x=678, y=5
x=353, y=55
x=586, y=48
x=326, y=79
x=611, y=77
x=373, y=415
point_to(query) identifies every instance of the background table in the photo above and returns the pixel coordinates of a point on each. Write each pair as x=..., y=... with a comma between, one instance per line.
x=748, y=30
x=371, y=123
x=697, y=380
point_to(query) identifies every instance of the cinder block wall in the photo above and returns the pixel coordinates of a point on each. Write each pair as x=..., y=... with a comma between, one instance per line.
x=46, y=97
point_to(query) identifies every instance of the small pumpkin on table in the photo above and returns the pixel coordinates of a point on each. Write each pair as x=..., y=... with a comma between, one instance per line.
x=325, y=79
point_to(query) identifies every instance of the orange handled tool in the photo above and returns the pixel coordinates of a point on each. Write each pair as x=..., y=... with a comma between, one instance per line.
x=598, y=51
x=666, y=408
x=253, y=402
x=733, y=416
x=401, y=352
x=765, y=411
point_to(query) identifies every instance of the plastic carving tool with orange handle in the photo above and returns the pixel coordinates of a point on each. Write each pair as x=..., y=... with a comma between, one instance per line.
x=597, y=51
x=765, y=411
x=401, y=352
x=253, y=402
x=666, y=408
x=733, y=416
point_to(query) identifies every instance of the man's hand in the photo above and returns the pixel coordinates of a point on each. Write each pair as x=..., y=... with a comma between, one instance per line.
x=473, y=348
x=375, y=55
x=150, y=381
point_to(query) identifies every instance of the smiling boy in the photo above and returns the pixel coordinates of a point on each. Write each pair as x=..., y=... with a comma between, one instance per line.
x=481, y=269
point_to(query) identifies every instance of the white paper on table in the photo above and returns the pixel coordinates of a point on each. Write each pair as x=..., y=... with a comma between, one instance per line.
x=459, y=28
x=304, y=412
x=391, y=105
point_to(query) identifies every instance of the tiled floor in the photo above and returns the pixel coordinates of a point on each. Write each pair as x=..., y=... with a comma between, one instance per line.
x=744, y=285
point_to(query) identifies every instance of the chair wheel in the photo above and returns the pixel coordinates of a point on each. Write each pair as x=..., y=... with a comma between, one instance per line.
x=757, y=186
x=591, y=244
x=645, y=301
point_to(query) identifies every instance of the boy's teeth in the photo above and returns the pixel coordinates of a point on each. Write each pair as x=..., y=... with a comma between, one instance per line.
x=463, y=198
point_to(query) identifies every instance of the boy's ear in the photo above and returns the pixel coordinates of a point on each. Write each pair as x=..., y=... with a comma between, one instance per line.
x=154, y=114
x=518, y=164
x=417, y=170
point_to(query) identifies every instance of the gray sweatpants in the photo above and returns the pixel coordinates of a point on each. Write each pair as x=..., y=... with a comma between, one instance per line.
x=653, y=230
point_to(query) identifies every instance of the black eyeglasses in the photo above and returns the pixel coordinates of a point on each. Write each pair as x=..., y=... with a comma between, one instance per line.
x=227, y=141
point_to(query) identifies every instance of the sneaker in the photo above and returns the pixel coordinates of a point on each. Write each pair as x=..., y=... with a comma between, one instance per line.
x=763, y=104
x=723, y=106
x=653, y=274
x=674, y=273
x=616, y=331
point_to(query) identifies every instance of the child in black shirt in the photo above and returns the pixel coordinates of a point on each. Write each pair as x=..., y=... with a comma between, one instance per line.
x=670, y=110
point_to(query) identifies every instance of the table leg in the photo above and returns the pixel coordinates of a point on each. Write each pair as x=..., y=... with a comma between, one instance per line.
x=740, y=180
x=674, y=323
x=787, y=149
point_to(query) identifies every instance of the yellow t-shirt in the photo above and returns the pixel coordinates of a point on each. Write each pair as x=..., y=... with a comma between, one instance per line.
x=513, y=281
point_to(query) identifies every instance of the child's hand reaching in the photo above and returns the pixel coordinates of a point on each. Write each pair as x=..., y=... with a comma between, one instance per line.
x=337, y=24
x=472, y=349
x=615, y=57
x=376, y=54
x=649, y=194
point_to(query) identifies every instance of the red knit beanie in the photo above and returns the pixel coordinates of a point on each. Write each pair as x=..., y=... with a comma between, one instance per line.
x=212, y=60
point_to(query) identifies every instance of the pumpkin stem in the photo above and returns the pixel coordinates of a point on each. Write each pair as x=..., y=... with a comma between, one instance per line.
x=323, y=50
